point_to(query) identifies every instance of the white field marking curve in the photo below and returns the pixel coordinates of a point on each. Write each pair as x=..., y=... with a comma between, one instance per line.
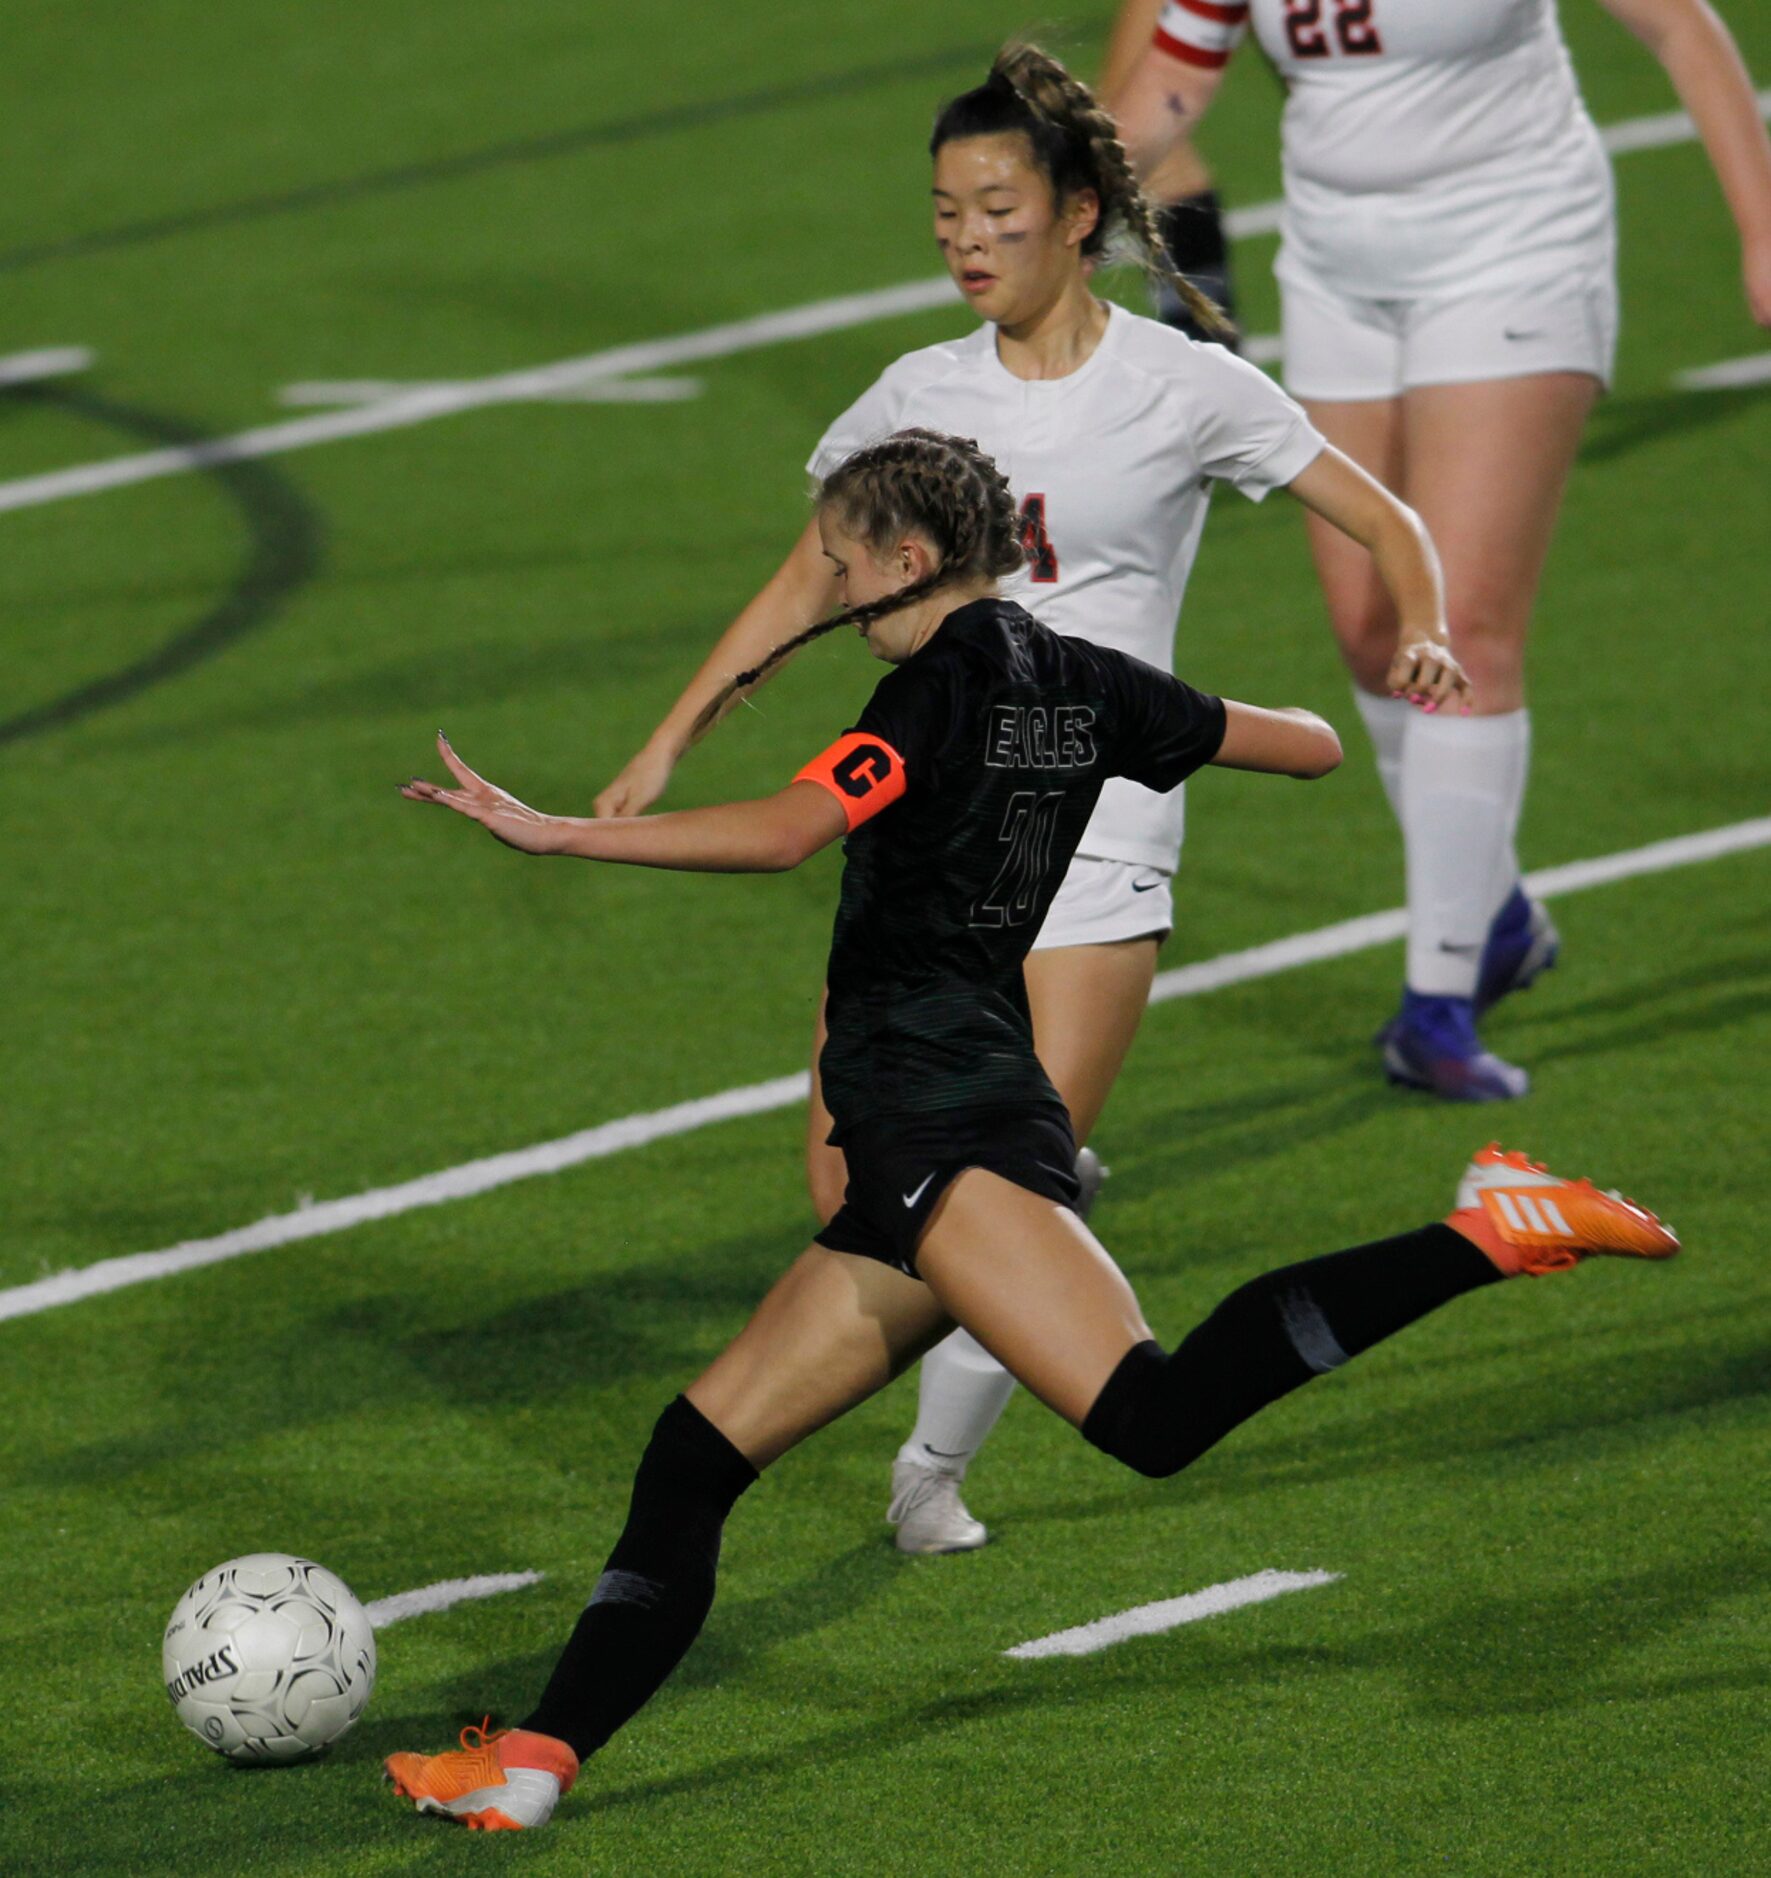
x=633, y=1131
x=445, y=1595
x=1151, y=1620
x=425, y=403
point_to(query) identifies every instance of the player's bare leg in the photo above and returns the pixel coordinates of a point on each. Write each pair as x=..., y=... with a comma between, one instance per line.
x=1034, y=1285
x=1455, y=783
x=833, y=1330
x=1086, y=1003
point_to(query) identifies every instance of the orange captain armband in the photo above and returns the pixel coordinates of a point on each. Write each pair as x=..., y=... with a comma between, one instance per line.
x=864, y=773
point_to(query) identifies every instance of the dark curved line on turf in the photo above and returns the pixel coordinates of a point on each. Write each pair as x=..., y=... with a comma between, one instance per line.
x=512, y=151
x=284, y=534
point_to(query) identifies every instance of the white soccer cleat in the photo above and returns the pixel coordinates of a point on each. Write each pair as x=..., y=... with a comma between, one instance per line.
x=928, y=1512
x=1091, y=1177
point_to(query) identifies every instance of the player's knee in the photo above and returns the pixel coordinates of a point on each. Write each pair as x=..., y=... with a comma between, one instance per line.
x=1128, y=1422
x=1488, y=637
x=1367, y=634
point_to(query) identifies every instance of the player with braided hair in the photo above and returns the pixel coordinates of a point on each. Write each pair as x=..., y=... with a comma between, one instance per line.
x=1191, y=210
x=917, y=479
x=1111, y=429
x=991, y=731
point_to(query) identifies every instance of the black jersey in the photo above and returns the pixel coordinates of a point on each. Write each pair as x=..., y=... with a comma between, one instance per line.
x=1005, y=731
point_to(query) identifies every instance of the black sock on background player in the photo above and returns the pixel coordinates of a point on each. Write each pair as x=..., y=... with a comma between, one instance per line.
x=1158, y=1412
x=1193, y=234
x=657, y=1588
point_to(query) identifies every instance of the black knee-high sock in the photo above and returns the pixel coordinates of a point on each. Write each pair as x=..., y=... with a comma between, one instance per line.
x=1159, y=1413
x=657, y=1588
x=1193, y=234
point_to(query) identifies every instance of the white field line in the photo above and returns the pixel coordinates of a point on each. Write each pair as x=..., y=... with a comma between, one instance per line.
x=763, y=1098
x=311, y=391
x=1754, y=369
x=443, y=1596
x=30, y=368
x=424, y=404
x=1150, y=1620
x=1376, y=929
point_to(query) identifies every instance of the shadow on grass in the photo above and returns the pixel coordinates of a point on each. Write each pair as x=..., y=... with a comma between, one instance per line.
x=1622, y=426
x=648, y=1320
x=1512, y=1655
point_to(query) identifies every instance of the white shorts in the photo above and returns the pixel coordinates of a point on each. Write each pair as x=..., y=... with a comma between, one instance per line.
x=1102, y=902
x=1339, y=347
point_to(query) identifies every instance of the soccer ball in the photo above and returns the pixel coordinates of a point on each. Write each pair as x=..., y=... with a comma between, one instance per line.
x=268, y=1658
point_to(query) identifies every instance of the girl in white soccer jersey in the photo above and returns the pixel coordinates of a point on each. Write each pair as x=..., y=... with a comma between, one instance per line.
x=1110, y=429
x=1450, y=312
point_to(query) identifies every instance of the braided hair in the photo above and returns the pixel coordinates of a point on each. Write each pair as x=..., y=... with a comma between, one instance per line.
x=1075, y=146
x=919, y=482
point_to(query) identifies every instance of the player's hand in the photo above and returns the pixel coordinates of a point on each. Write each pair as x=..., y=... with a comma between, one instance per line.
x=1426, y=672
x=1755, y=268
x=514, y=823
x=639, y=785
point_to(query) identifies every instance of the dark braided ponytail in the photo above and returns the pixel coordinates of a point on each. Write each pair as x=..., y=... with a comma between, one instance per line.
x=1076, y=146
x=914, y=482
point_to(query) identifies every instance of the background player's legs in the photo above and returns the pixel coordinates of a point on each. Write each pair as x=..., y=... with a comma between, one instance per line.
x=1485, y=465
x=1086, y=1002
x=834, y=1329
x=1191, y=216
x=826, y=1175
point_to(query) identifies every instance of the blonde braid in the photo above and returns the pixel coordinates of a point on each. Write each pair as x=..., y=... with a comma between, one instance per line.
x=943, y=487
x=1067, y=104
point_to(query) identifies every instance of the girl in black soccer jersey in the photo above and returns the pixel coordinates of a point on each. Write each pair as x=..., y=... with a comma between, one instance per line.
x=962, y=791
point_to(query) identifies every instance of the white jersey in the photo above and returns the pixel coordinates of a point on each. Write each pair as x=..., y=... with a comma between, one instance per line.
x=1111, y=468
x=1428, y=144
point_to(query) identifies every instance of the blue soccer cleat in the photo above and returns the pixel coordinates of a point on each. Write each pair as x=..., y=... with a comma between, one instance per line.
x=1431, y=1044
x=1522, y=944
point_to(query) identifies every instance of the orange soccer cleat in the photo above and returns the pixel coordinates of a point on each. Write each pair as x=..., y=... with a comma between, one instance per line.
x=504, y=1781
x=1529, y=1220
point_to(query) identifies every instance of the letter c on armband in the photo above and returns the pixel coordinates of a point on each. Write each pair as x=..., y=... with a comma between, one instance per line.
x=865, y=774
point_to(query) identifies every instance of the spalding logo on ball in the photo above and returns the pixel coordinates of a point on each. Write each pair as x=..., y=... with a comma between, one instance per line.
x=268, y=1658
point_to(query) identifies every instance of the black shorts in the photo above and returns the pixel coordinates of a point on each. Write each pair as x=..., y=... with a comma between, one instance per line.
x=900, y=1165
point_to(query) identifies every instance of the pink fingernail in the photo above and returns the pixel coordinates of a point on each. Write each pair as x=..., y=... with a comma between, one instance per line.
x=1431, y=708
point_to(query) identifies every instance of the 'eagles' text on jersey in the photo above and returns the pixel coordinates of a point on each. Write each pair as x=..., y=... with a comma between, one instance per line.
x=1006, y=733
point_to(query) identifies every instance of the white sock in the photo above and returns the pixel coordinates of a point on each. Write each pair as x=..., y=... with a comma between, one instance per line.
x=962, y=1392
x=1386, y=720
x=1463, y=780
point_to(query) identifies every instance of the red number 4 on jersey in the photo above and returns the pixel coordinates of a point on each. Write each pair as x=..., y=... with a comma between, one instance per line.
x=1036, y=544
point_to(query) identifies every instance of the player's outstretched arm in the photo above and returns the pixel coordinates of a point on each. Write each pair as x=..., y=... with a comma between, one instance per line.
x=1292, y=742
x=1425, y=669
x=767, y=836
x=1699, y=55
x=802, y=589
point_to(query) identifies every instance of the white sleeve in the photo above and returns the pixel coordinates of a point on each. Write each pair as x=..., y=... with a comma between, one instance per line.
x=1201, y=32
x=873, y=415
x=1246, y=431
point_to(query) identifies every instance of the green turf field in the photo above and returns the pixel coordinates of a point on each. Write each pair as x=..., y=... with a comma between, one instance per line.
x=242, y=971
